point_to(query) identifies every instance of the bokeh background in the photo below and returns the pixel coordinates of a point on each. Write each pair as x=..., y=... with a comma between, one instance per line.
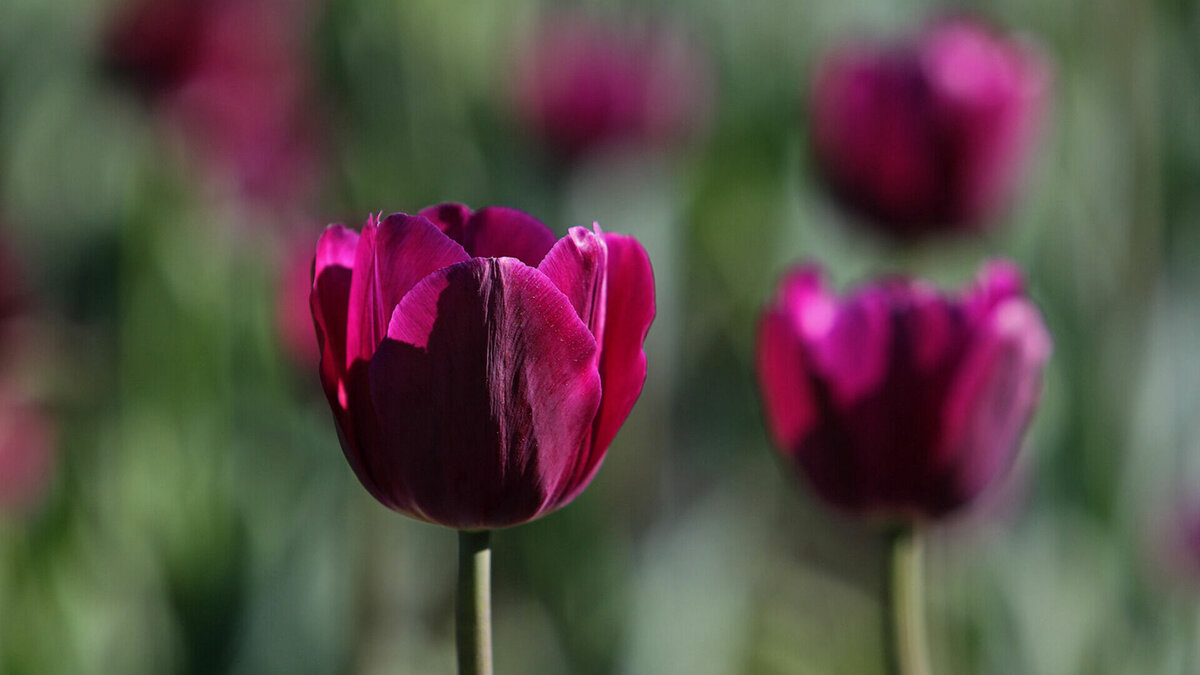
x=177, y=499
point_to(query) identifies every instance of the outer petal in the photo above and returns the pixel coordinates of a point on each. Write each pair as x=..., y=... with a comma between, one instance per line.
x=496, y=232
x=390, y=260
x=333, y=273
x=629, y=310
x=992, y=399
x=484, y=390
x=788, y=402
x=578, y=266
x=329, y=300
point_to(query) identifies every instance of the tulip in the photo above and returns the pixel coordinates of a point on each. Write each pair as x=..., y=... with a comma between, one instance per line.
x=26, y=454
x=899, y=400
x=932, y=135
x=478, y=369
x=584, y=85
x=293, y=318
x=903, y=403
x=230, y=75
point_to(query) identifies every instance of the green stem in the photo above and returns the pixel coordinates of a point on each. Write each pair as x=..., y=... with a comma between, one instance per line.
x=473, y=615
x=905, y=645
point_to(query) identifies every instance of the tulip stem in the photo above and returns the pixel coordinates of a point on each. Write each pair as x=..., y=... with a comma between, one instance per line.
x=905, y=645
x=473, y=615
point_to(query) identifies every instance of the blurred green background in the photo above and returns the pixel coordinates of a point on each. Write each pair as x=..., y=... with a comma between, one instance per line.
x=201, y=517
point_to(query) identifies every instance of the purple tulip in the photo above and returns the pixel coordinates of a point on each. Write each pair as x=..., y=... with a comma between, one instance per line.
x=477, y=368
x=231, y=75
x=27, y=456
x=899, y=400
x=584, y=85
x=932, y=135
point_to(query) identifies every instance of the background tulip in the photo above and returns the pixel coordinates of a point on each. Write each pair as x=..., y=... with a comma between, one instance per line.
x=584, y=84
x=930, y=135
x=197, y=494
x=899, y=400
x=232, y=76
x=26, y=454
x=478, y=369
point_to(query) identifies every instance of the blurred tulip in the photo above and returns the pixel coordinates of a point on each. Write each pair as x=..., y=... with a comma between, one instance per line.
x=26, y=454
x=478, y=369
x=12, y=284
x=931, y=135
x=231, y=74
x=293, y=318
x=583, y=85
x=899, y=400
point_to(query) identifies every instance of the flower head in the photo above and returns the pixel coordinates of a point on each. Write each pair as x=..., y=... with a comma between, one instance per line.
x=930, y=135
x=476, y=367
x=898, y=399
x=584, y=84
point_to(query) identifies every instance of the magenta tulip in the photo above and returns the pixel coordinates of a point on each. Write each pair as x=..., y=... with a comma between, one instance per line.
x=931, y=135
x=26, y=455
x=899, y=400
x=584, y=85
x=293, y=318
x=477, y=368
x=231, y=76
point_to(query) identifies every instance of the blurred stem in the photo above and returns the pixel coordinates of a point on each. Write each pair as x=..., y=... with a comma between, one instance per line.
x=905, y=645
x=473, y=615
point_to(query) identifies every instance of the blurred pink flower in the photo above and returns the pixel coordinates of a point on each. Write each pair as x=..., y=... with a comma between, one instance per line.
x=293, y=318
x=27, y=454
x=899, y=400
x=233, y=76
x=584, y=84
x=478, y=368
x=931, y=135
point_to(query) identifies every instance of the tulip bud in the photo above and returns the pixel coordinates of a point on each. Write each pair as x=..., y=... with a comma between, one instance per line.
x=584, y=85
x=932, y=135
x=478, y=369
x=899, y=400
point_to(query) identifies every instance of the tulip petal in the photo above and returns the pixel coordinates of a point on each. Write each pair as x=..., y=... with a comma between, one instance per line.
x=783, y=375
x=333, y=271
x=498, y=232
x=993, y=397
x=484, y=390
x=333, y=267
x=629, y=310
x=998, y=281
x=391, y=258
x=578, y=266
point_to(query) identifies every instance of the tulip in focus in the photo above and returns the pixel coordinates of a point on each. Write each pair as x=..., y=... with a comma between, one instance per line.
x=229, y=74
x=476, y=367
x=584, y=85
x=931, y=135
x=898, y=400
